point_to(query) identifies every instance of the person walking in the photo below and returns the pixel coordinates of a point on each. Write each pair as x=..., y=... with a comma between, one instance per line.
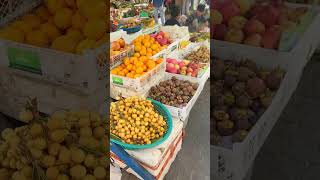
x=159, y=9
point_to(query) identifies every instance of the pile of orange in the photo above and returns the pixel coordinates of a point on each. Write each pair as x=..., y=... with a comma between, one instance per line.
x=135, y=67
x=145, y=45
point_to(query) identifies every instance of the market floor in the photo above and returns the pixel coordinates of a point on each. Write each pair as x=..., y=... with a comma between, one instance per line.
x=292, y=150
x=192, y=162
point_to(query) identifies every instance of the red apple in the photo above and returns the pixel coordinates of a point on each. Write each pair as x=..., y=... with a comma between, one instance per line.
x=254, y=26
x=194, y=74
x=189, y=70
x=234, y=35
x=170, y=66
x=189, y=73
x=253, y=40
x=220, y=31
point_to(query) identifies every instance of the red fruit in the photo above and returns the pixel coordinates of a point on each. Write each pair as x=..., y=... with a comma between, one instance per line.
x=271, y=37
x=230, y=11
x=269, y=16
x=220, y=31
x=254, y=26
x=181, y=64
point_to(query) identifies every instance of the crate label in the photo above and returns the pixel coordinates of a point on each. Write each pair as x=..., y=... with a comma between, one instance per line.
x=117, y=80
x=24, y=60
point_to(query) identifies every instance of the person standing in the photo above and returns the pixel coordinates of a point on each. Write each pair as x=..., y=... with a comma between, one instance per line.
x=195, y=19
x=174, y=12
x=159, y=9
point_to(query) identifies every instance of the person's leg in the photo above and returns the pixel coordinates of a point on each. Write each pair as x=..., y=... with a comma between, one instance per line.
x=162, y=15
x=156, y=15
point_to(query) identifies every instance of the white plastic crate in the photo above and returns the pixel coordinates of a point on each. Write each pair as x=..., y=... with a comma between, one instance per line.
x=233, y=164
x=82, y=72
x=118, y=59
x=140, y=83
x=183, y=112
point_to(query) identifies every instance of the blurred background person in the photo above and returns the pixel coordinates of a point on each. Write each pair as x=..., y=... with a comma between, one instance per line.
x=159, y=9
x=174, y=16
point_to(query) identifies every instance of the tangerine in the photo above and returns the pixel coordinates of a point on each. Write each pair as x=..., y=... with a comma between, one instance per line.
x=143, y=52
x=136, y=55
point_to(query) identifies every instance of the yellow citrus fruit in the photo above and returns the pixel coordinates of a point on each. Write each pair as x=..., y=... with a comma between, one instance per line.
x=54, y=5
x=43, y=13
x=62, y=18
x=13, y=34
x=95, y=28
x=78, y=20
x=137, y=48
x=143, y=52
x=65, y=44
x=84, y=45
x=21, y=25
x=51, y=30
x=33, y=20
x=37, y=38
x=76, y=34
x=136, y=55
x=93, y=9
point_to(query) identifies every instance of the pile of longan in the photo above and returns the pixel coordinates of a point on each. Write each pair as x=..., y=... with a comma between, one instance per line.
x=136, y=121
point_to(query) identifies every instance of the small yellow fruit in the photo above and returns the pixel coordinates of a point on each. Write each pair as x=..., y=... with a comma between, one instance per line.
x=94, y=29
x=71, y=3
x=84, y=45
x=52, y=173
x=51, y=30
x=77, y=155
x=63, y=18
x=26, y=116
x=75, y=34
x=93, y=9
x=78, y=171
x=100, y=172
x=33, y=20
x=26, y=171
x=43, y=13
x=89, y=177
x=37, y=38
x=23, y=26
x=62, y=177
x=54, y=5
x=36, y=130
x=64, y=155
x=65, y=44
x=78, y=20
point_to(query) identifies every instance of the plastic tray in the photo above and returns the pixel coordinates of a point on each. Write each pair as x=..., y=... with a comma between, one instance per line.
x=162, y=110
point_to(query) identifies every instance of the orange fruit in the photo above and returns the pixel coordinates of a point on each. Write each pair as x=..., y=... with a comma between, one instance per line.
x=139, y=70
x=154, y=52
x=126, y=61
x=147, y=44
x=120, y=73
x=129, y=75
x=143, y=52
x=125, y=71
x=114, y=71
x=129, y=67
x=136, y=55
x=144, y=67
x=137, y=75
x=154, y=47
x=149, y=50
x=158, y=61
x=137, y=48
x=151, y=64
x=149, y=54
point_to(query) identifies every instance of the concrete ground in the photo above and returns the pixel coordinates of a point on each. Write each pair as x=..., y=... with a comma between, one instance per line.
x=292, y=150
x=192, y=162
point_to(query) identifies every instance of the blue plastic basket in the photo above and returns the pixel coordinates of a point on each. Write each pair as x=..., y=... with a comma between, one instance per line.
x=162, y=110
x=132, y=30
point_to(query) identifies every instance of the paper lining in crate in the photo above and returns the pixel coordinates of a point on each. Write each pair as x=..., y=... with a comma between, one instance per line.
x=118, y=59
x=157, y=160
x=116, y=91
x=182, y=113
x=140, y=83
x=233, y=164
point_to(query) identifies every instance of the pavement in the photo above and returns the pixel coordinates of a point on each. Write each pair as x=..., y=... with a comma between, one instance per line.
x=292, y=150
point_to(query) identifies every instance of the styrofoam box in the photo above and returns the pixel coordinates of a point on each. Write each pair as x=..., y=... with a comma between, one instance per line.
x=138, y=84
x=233, y=164
x=183, y=113
x=190, y=48
x=118, y=59
x=15, y=90
x=157, y=160
x=116, y=91
x=297, y=57
x=77, y=71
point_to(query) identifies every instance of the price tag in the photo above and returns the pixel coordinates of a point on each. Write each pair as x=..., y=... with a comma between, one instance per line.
x=24, y=60
x=117, y=80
